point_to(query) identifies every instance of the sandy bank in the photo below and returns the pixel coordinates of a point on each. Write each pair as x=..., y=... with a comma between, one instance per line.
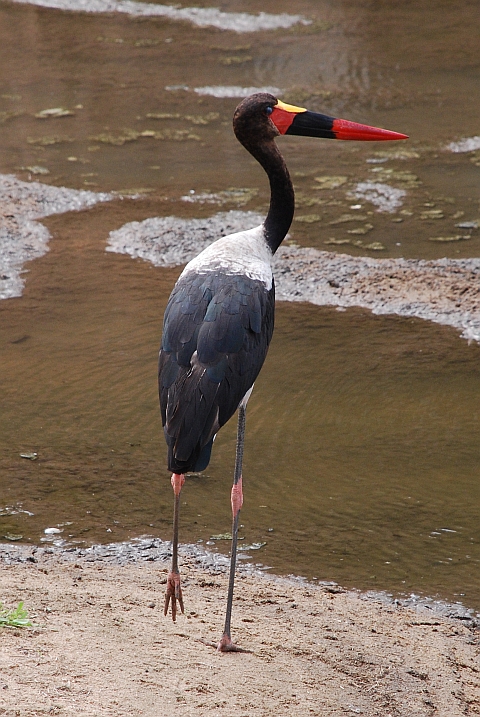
x=103, y=647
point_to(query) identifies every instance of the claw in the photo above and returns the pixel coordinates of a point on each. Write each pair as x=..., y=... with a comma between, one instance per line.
x=173, y=593
x=226, y=645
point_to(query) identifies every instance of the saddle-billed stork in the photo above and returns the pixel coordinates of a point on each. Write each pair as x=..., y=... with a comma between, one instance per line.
x=219, y=318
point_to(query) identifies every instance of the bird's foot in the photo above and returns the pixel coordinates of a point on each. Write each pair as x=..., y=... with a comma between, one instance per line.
x=225, y=645
x=173, y=593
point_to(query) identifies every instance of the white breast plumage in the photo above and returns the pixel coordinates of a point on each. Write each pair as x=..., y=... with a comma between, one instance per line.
x=246, y=253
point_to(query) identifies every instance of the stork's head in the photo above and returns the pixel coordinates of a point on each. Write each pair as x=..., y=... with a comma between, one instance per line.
x=262, y=117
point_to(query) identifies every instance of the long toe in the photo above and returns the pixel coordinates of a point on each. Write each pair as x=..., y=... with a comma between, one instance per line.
x=173, y=593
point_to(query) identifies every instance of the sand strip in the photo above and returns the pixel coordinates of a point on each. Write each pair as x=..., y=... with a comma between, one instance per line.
x=103, y=647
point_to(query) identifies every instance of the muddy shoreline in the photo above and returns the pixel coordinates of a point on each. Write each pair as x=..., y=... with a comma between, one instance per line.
x=101, y=644
x=148, y=549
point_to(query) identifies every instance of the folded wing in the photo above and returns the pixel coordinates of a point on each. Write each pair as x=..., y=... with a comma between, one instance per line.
x=216, y=333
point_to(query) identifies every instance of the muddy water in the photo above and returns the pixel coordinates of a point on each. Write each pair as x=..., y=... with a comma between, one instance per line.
x=362, y=454
x=413, y=69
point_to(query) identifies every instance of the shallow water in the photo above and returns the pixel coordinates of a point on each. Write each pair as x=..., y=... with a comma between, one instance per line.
x=362, y=450
x=411, y=68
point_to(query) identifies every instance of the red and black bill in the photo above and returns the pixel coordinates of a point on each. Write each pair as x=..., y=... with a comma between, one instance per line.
x=291, y=120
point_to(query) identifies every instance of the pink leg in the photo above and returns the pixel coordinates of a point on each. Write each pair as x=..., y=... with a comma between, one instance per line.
x=237, y=497
x=174, y=591
x=177, y=480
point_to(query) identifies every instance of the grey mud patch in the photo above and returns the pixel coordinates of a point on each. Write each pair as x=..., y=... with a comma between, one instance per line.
x=234, y=91
x=384, y=197
x=22, y=238
x=170, y=241
x=150, y=549
x=446, y=291
x=468, y=144
x=201, y=17
x=225, y=91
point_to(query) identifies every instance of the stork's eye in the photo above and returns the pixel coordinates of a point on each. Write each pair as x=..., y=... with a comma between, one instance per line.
x=269, y=110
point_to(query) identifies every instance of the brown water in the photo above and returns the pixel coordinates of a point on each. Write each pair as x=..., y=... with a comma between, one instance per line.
x=362, y=449
x=412, y=67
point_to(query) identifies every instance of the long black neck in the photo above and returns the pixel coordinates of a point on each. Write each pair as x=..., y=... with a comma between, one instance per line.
x=282, y=198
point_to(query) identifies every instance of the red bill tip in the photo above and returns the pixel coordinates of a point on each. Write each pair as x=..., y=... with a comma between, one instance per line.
x=344, y=129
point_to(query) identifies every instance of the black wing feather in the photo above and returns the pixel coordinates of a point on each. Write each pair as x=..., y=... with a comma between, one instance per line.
x=216, y=333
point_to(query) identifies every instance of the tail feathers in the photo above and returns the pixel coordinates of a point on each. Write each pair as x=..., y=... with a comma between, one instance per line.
x=204, y=458
x=197, y=462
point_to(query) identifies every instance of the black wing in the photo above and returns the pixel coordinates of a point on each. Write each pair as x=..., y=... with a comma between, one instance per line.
x=216, y=333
